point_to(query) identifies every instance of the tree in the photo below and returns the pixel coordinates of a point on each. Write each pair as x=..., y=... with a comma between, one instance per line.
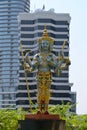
x=9, y=118
x=73, y=121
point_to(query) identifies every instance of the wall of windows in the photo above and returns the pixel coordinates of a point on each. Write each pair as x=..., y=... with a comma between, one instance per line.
x=9, y=48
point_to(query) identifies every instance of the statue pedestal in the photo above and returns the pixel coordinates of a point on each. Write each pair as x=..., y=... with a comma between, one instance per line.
x=41, y=122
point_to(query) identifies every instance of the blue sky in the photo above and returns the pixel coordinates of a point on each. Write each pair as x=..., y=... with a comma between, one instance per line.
x=78, y=43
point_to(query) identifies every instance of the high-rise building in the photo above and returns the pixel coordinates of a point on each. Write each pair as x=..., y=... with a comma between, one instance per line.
x=9, y=9
x=73, y=101
x=31, y=28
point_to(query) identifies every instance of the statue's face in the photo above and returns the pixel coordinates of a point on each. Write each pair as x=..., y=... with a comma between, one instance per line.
x=45, y=46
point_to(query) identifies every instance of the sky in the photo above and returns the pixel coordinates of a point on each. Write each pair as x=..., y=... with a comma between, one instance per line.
x=78, y=43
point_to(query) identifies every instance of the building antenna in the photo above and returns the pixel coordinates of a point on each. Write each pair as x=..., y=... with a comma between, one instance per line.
x=43, y=7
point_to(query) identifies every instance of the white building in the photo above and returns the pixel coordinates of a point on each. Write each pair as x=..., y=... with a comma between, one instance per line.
x=31, y=28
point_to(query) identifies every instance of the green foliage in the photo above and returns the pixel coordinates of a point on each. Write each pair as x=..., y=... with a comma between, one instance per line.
x=9, y=118
x=79, y=122
x=73, y=121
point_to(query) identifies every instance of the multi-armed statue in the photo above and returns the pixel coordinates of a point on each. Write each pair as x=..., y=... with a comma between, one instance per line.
x=44, y=62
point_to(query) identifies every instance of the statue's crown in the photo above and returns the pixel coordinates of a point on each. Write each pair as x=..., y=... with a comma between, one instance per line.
x=45, y=36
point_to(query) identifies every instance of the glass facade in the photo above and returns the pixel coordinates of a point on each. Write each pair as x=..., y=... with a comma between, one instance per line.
x=9, y=37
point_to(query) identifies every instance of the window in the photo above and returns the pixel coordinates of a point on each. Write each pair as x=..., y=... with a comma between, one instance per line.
x=27, y=21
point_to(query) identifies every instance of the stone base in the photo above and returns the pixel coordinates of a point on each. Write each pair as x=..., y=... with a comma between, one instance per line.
x=41, y=122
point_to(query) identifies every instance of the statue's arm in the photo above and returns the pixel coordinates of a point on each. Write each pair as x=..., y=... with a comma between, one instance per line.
x=66, y=63
x=53, y=62
x=33, y=63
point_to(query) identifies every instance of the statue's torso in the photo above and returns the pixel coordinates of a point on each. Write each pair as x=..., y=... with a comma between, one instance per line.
x=44, y=61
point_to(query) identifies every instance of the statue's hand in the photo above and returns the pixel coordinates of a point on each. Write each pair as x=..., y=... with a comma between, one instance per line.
x=27, y=67
x=49, y=58
x=68, y=61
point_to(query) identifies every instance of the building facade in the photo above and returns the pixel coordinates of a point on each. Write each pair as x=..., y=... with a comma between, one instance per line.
x=31, y=27
x=9, y=62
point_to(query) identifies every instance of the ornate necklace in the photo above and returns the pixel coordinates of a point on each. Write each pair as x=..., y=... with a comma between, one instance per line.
x=44, y=56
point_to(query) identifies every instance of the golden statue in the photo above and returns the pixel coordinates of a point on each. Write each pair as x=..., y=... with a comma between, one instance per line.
x=44, y=62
